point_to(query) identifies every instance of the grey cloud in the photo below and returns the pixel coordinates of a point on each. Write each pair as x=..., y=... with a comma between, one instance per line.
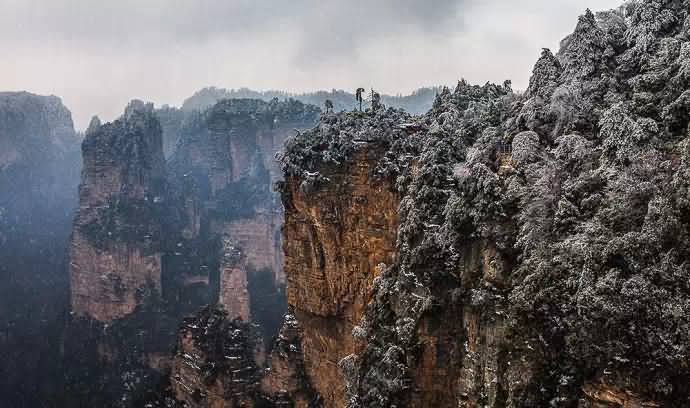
x=122, y=22
x=338, y=29
x=129, y=23
x=98, y=54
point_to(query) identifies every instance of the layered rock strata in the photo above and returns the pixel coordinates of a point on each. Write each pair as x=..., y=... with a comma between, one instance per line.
x=336, y=239
x=115, y=253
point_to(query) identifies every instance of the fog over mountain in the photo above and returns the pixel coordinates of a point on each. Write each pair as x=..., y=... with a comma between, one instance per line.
x=98, y=55
x=383, y=204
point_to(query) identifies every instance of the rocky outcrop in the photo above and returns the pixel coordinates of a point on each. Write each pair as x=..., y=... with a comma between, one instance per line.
x=538, y=258
x=115, y=254
x=336, y=238
x=226, y=238
x=217, y=364
x=285, y=382
x=234, y=291
x=150, y=245
x=223, y=174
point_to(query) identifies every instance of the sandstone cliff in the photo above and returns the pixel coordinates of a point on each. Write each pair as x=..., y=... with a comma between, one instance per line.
x=537, y=254
x=336, y=238
x=502, y=250
x=223, y=244
x=223, y=173
x=121, y=330
x=151, y=244
x=115, y=255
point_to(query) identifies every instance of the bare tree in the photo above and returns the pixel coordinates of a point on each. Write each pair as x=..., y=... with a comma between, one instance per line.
x=375, y=100
x=359, y=98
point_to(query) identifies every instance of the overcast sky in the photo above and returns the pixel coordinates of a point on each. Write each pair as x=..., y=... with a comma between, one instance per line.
x=99, y=54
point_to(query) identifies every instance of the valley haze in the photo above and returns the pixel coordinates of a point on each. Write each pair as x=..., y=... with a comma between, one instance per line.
x=309, y=204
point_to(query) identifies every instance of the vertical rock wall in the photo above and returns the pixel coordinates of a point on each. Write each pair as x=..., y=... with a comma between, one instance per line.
x=335, y=239
x=234, y=292
x=285, y=383
x=115, y=253
x=540, y=258
x=223, y=172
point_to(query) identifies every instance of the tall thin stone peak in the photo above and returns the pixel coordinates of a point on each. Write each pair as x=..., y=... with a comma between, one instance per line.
x=124, y=171
x=94, y=125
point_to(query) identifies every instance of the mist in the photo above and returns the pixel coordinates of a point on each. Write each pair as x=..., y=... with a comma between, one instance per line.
x=240, y=219
x=97, y=55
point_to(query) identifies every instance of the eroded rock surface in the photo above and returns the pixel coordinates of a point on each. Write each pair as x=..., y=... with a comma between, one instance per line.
x=541, y=238
x=223, y=173
x=336, y=239
x=115, y=254
x=285, y=382
x=218, y=362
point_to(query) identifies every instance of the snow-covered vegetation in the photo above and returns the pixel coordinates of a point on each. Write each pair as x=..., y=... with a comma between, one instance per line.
x=590, y=211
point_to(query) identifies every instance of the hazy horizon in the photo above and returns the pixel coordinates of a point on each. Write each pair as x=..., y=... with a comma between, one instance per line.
x=97, y=57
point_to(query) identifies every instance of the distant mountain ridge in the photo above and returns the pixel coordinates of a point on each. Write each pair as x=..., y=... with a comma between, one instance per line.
x=418, y=102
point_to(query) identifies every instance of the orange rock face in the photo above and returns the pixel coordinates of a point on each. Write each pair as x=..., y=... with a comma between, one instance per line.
x=334, y=240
